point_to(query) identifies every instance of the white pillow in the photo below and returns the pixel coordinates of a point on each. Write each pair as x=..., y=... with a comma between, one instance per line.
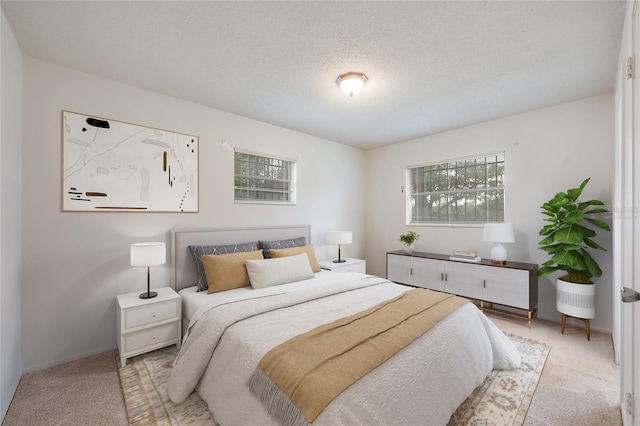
x=281, y=270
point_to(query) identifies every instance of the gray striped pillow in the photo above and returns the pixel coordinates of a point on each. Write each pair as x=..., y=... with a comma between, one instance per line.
x=281, y=244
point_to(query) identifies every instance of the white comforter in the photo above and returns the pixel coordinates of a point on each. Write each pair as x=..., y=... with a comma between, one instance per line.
x=422, y=384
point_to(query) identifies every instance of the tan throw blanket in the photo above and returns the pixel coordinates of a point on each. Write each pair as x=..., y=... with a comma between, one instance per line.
x=299, y=378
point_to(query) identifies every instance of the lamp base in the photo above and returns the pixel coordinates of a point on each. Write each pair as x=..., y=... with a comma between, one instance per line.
x=339, y=261
x=498, y=254
x=148, y=295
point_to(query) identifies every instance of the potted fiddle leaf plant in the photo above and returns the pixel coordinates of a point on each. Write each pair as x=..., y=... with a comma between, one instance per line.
x=407, y=239
x=568, y=239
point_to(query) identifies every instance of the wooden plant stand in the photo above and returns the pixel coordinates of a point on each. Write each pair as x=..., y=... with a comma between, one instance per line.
x=586, y=323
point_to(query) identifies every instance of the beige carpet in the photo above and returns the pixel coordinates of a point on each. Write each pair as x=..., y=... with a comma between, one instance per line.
x=82, y=392
x=580, y=384
x=503, y=398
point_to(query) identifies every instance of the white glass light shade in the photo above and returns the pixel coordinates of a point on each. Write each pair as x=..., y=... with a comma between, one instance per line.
x=498, y=233
x=148, y=254
x=351, y=83
x=339, y=237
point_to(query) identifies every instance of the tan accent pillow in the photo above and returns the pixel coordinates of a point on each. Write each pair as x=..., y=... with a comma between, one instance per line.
x=227, y=271
x=315, y=267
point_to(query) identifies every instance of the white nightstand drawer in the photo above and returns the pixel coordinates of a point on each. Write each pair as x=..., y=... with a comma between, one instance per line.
x=357, y=267
x=349, y=265
x=143, y=315
x=151, y=337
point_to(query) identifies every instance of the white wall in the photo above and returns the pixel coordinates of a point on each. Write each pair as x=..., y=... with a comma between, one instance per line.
x=76, y=263
x=10, y=215
x=547, y=151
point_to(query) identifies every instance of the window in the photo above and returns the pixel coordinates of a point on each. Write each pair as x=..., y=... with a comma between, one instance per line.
x=261, y=179
x=467, y=191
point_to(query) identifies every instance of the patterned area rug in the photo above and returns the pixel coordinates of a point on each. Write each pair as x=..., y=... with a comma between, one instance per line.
x=505, y=395
x=145, y=382
x=503, y=398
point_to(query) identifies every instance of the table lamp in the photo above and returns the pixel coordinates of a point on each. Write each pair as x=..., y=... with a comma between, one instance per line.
x=339, y=237
x=498, y=233
x=148, y=254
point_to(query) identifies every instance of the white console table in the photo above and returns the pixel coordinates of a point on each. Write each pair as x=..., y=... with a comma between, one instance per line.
x=513, y=284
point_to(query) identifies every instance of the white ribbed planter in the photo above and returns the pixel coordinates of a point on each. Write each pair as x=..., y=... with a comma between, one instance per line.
x=576, y=300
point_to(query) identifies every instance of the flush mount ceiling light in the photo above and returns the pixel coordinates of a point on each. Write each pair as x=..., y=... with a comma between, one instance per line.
x=351, y=83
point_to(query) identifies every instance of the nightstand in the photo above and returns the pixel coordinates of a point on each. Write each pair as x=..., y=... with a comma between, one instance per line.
x=144, y=325
x=349, y=265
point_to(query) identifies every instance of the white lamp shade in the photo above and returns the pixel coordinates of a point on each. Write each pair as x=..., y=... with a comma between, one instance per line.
x=499, y=232
x=351, y=83
x=339, y=237
x=148, y=254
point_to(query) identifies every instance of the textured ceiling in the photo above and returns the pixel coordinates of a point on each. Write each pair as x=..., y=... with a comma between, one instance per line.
x=432, y=66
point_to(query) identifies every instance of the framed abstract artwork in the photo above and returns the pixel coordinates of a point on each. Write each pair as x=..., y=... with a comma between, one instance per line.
x=110, y=165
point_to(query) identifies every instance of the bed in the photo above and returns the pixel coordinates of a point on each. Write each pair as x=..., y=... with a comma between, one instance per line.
x=230, y=333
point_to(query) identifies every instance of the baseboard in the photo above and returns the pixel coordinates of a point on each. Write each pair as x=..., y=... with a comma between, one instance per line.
x=571, y=322
x=75, y=357
x=574, y=322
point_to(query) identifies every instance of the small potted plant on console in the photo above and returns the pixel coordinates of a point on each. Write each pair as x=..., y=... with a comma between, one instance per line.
x=407, y=239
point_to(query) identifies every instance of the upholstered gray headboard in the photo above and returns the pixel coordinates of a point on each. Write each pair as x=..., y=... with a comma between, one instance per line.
x=183, y=270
